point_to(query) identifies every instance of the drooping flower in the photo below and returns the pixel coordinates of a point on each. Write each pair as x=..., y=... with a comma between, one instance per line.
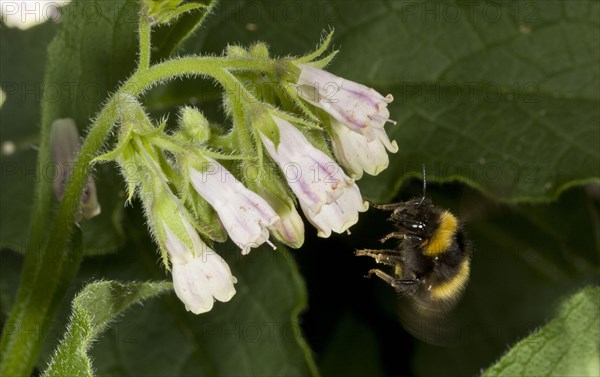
x=357, y=154
x=244, y=214
x=339, y=215
x=199, y=274
x=356, y=106
x=326, y=194
x=65, y=146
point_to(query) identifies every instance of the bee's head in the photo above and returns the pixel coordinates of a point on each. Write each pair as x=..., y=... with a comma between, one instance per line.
x=416, y=208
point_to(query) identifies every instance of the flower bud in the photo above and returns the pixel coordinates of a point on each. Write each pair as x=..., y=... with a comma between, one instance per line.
x=195, y=124
x=260, y=51
x=235, y=51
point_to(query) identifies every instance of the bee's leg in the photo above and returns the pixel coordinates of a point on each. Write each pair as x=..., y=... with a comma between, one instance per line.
x=400, y=285
x=389, y=257
x=401, y=236
x=388, y=207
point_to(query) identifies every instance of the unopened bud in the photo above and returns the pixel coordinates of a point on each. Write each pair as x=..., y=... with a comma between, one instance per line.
x=235, y=51
x=195, y=124
x=259, y=50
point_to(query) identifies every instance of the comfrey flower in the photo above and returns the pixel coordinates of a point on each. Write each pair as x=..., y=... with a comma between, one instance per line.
x=329, y=198
x=199, y=274
x=65, y=146
x=244, y=214
x=357, y=154
x=356, y=106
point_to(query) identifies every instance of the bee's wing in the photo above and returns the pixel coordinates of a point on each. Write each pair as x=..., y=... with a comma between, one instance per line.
x=429, y=321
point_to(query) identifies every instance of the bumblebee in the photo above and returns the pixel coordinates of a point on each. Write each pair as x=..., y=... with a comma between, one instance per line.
x=432, y=259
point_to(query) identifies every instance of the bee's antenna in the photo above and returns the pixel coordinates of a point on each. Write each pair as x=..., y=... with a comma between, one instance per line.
x=424, y=184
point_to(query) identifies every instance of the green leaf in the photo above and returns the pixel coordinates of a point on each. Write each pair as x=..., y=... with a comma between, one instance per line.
x=508, y=105
x=93, y=51
x=94, y=309
x=22, y=69
x=567, y=346
x=39, y=300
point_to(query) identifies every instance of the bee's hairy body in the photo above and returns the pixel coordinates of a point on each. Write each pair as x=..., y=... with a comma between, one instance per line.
x=431, y=262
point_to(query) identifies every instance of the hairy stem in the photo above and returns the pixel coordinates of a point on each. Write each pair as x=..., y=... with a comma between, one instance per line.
x=145, y=45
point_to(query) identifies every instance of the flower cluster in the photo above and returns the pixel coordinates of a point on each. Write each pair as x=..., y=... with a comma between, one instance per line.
x=200, y=184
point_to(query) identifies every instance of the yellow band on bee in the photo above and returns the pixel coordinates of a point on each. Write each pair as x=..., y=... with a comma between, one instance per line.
x=453, y=287
x=442, y=238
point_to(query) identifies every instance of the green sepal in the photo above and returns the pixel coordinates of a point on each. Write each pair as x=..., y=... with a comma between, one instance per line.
x=208, y=222
x=271, y=186
x=320, y=50
x=166, y=11
x=292, y=92
x=324, y=62
x=290, y=117
x=194, y=125
x=133, y=173
x=125, y=134
x=260, y=180
x=317, y=136
x=236, y=51
x=258, y=116
x=163, y=207
x=259, y=50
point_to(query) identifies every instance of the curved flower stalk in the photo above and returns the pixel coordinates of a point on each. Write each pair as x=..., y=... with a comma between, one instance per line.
x=356, y=106
x=328, y=197
x=245, y=215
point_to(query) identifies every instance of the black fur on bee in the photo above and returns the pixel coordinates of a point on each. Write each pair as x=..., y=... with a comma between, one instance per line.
x=431, y=260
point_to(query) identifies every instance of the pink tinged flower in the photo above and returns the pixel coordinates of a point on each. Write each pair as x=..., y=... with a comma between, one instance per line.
x=199, y=274
x=358, y=107
x=244, y=214
x=357, y=154
x=327, y=196
x=289, y=229
x=65, y=146
x=339, y=215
